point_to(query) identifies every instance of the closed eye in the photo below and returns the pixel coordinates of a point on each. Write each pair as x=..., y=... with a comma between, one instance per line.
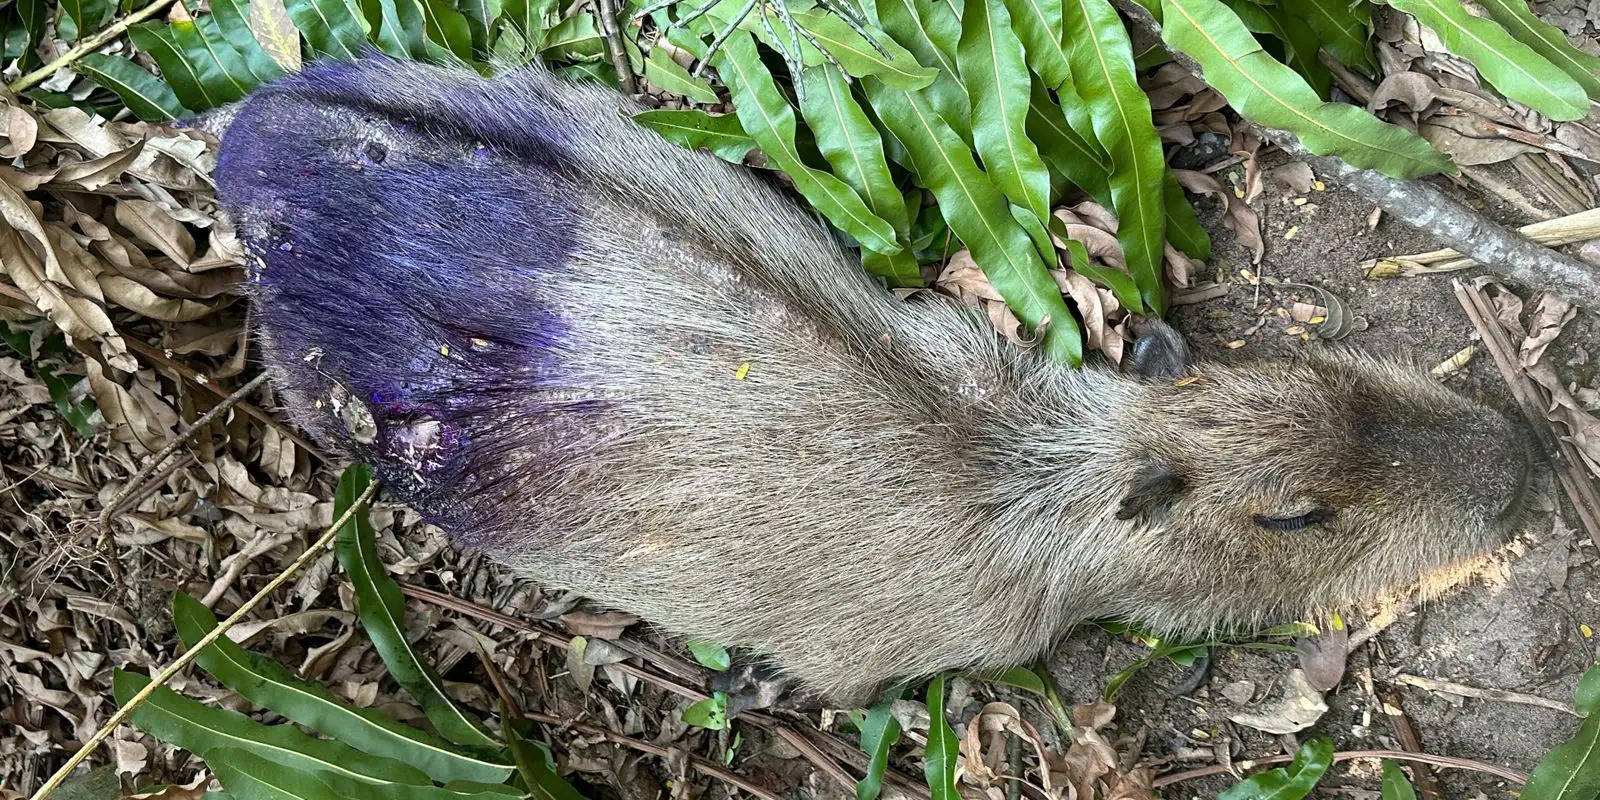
x=1314, y=517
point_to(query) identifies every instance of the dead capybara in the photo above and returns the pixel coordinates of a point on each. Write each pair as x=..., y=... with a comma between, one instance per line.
x=646, y=375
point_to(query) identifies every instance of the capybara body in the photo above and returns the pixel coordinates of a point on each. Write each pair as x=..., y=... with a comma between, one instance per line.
x=645, y=375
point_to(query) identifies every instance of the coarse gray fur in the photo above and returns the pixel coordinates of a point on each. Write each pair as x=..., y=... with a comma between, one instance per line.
x=788, y=459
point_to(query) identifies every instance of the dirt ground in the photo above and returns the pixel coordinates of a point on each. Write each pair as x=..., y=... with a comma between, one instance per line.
x=1524, y=628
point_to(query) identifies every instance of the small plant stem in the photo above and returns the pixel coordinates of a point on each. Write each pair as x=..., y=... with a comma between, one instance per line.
x=192, y=653
x=1347, y=755
x=88, y=46
x=615, y=48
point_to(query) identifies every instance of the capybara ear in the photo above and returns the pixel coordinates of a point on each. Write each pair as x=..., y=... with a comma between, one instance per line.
x=1157, y=484
x=1159, y=353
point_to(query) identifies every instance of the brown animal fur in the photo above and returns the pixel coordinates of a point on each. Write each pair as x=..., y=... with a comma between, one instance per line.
x=891, y=490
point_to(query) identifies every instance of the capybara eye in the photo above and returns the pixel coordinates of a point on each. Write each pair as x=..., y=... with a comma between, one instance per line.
x=1296, y=523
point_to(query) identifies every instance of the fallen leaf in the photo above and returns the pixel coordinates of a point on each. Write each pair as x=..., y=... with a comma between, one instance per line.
x=598, y=624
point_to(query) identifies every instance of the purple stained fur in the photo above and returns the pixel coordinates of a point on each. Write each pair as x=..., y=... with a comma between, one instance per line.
x=402, y=246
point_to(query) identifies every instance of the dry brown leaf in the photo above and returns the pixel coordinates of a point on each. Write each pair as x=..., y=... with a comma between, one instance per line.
x=88, y=132
x=1299, y=708
x=1095, y=305
x=599, y=624
x=1136, y=784
x=34, y=272
x=1296, y=176
x=126, y=415
x=1238, y=216
x=152, y=224
x=97, y=172
x=1413, y=90
x=1550, y=315
x=1467, y=143
x=22, y=130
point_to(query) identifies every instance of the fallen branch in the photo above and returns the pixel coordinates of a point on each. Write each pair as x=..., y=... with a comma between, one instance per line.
x=1497, y=695
x=1427, y=209
x=1580, y=227
x=1347, y=755
x=1406, y=734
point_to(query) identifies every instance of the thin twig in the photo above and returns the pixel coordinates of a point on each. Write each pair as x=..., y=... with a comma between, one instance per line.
x=716, y=44
x=1406, y=734
x=190, y=374
x=797, y=739
x=1496, y=695
x=1348, y=755
x=161, y=678
x=701, y=764
x=87, y=46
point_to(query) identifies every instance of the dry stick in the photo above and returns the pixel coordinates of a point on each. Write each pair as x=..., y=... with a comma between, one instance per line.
x=161, y=678
x=796, y=739
x=1575, y=482
x=704, y=766
x=196, y=378
x=1406, y=734
x=88, y=46
x=1497, y=695
x=1427, y=209
x=612, y=34
x=1348, y=755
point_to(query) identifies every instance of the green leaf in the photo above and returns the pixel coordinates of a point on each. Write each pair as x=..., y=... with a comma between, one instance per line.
x=769, y=119
x=34, y=16
x=980, y=216
x=904, y=23
x=1291, y=783
x=382, y=609
x=266, y=683
x=1102, y=69
x=156, y=40
x=1341, y=25
x=1571, y=771
x=1039, y=24
x=710, y=713
x=479, y=15
x=81, y=17
x=1395, y=786
x=665, y=74
x=1509, y=65
x=535, y=765
x=1183, y=229
x=1548, y=41
x=858, y=57
x=529, y=19
x=247, y=776
x=1079, y=162
x=447, y=27
x=711, y=656
x=233, y=24
x=331, y=27
x=695, y=129
x=997, y=80
x=1269, y=93
x=78, y=414
x=144, y=94
x=200, y=729
x=1301, y=45
x=939, y=763
x=879, y=731
x=220, y=66
x=397, y=27
x=575, y=38
x=854, y=148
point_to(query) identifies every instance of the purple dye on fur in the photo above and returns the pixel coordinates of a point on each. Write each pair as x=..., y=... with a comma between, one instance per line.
x=392, y=246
